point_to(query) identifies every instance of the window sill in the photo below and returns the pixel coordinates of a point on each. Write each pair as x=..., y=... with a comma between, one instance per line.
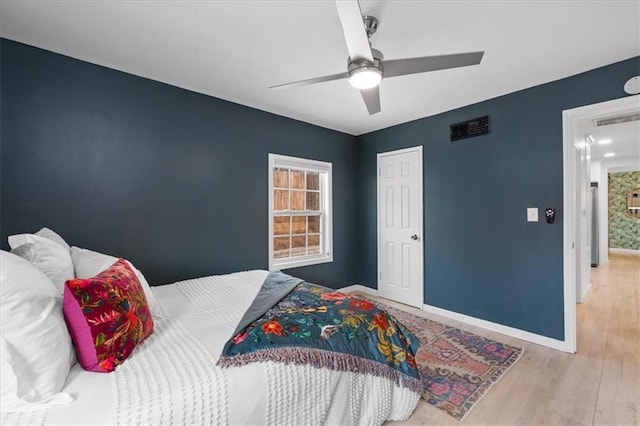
x=296, y=263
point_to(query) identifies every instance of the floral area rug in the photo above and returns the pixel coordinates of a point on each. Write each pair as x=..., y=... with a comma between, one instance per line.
x=457, y=367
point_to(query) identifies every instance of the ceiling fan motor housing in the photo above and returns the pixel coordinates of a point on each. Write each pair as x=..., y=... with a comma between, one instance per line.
x=359, y=64
x=370, y=24
x=365, y=65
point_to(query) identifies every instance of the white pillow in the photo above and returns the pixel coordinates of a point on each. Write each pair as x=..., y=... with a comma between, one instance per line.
x=35, y=347
x=51, y=235
x=88, y=263
x=50, y=257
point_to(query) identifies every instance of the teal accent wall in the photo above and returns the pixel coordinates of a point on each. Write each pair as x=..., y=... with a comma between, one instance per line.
x=624, y=230
x=177, y=182
x=482, y=257
x=173, y=180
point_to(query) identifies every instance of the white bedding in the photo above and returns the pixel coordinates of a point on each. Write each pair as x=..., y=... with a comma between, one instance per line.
x=172, y=378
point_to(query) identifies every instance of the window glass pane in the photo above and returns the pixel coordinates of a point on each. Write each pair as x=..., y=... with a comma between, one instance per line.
x=280, y=199
x=314, y=244
x=313, y=180
x=298, y=246
x=299, y=224
x=300, y=192
x=314, y=224
x=297, y=179
x=313, y=201
x=297, y=200
x=280, y=247
x=280, y=178
x=281, y=225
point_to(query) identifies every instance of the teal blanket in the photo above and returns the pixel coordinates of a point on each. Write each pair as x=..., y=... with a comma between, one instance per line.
x=296, y=322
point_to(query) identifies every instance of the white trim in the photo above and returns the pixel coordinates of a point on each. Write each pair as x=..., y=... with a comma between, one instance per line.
x=400, y=151
x=583, y=296
x=422, y=221
x=297, y=262
x=487, y=325
x=298, y=163
x=607, y=166
x=621, y=165
x=326, y=228
x=499, y=328
x=569, y=119
x=623, y=250
x=357, y=288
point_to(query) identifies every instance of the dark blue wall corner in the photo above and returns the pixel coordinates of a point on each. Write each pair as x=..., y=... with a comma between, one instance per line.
x=177, y=182
x=482, y=258
x=174, y=180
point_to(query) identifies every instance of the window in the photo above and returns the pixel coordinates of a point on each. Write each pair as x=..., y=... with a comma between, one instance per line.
x=299, y=212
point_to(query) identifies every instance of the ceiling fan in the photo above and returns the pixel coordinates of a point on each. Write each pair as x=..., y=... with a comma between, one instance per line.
x=366, y=66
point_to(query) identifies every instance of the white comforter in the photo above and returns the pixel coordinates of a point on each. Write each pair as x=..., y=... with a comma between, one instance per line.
x=173, y=379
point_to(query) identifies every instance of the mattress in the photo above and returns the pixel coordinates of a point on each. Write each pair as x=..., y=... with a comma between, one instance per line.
x=172, y=378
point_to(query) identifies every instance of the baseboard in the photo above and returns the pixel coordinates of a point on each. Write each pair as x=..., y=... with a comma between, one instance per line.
x=582, y=297
x=560, y=345
x=584, y=293
x=487, y=325
x=357, y=288
x=624, y=251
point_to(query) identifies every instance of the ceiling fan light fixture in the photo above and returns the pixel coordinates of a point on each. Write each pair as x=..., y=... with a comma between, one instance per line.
x=365, y=77
x=366, y=66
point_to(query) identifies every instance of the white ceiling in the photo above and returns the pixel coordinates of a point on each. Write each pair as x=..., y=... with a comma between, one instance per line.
x=234, y=50
x=624, y=137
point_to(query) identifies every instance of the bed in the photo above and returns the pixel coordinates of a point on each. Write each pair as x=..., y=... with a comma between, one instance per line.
x=173, y=379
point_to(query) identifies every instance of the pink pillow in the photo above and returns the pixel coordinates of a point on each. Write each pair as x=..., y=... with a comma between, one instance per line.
x=107, y=316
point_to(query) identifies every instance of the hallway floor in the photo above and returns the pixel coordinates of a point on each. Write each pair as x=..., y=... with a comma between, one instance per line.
x=599, y=385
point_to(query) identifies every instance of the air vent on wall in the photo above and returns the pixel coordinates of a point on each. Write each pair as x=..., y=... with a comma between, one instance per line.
x=467, y=129
x=624, y=118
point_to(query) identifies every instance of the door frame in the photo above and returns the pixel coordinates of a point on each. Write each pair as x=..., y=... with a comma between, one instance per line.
x=570, y=118
x=421, y=222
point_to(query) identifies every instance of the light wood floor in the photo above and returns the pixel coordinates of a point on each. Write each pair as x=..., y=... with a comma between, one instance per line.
x=599, y=385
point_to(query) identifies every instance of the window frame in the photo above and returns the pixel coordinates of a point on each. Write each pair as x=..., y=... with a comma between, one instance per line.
x=326, y=211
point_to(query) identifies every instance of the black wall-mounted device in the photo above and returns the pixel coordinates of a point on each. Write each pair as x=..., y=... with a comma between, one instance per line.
x=467, y=129
x=550, y=214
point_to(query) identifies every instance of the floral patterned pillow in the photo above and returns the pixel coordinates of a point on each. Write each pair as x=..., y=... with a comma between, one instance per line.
x=107, y=316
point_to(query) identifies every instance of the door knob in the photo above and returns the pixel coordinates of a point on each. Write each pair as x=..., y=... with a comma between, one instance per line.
x=414, y=237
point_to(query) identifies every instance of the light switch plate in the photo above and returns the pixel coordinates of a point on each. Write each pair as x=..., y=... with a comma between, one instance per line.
x=532, y=214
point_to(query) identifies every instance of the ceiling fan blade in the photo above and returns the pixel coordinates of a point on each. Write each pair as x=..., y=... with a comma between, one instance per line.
x=353, y=28
x=312, y=81
x=397, y=67
x=371, y=99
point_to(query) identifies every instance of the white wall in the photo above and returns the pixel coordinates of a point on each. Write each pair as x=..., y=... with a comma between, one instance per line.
x=596, y=166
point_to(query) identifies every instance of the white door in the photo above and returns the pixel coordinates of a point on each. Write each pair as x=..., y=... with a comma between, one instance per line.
x=582, y=235
x=400, y=234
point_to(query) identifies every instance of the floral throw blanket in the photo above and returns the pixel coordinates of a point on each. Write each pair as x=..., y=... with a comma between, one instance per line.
x=311, y=324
